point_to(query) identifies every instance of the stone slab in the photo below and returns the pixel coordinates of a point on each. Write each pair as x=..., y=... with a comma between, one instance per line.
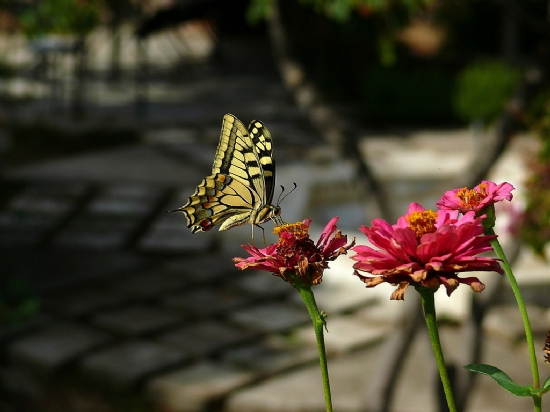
x=345, y=333
x=136, y=320
x=259, y=283
x=505, y=321
x=301, y=390
x=19, y=238
x=175, y=239
x=84, y=301
x=93, y=239
x=141, y=164
x=52, y=270
x=190, y=389
x=204, y=338
x=271, y=355
x=125, y=366
x=340, y=291
x=55, y=346
x=202, y=269
x=149, y=284
x=19, y=382
x=270, y=317
x=203, y=302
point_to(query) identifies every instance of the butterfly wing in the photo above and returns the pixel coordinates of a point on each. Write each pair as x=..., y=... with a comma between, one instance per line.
x=263, y=147
x=236, y=154
x=241, y=185
x=219, y=200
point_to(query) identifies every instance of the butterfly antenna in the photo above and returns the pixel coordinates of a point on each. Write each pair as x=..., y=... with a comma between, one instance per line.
x=281, y=197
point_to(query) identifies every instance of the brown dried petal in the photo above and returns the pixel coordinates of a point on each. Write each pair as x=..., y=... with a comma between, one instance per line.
x=433, y=283
x=418, y=276
x=399, y=293
x=317, y=272
x=452, y=284
x=477, y=287
x=546, y=349
x=302, y=266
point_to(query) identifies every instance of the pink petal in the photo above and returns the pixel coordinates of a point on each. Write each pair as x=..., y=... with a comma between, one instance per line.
x=329, y=229
x=498, y=192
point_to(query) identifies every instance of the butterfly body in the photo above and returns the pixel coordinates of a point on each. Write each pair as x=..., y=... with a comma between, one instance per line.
x=240, y=188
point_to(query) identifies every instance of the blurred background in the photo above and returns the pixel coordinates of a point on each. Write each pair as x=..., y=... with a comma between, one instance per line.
x=110, y=112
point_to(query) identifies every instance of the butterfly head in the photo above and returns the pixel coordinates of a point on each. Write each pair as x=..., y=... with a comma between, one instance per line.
x=276, y=217
x=268, y=212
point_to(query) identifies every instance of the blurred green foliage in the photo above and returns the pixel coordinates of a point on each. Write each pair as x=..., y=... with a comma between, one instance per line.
x=6, y=70
x=17, y=302
x=538, y=120
x=339, y=10
x=369, y=61
x=409, y=94
x=483, y=89
x=535, y=228
x=60, y=17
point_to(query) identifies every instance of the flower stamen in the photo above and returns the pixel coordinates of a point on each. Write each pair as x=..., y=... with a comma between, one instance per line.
x=422, y=222
x=296, y=257
x=299, y=229
x=471, y=198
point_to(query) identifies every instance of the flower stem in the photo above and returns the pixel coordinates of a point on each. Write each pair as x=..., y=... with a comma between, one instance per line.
x=537, y=398
x=428, y=306
x=319, y=323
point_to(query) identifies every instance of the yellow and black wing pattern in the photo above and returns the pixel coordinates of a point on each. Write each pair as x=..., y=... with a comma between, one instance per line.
x=240, y=188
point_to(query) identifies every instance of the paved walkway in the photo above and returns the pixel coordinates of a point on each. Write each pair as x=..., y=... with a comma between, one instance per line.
x=136, y=313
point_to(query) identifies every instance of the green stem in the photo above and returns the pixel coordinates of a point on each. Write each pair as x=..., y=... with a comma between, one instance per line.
x=537, y=398
x=428, y=306
x=319, y=323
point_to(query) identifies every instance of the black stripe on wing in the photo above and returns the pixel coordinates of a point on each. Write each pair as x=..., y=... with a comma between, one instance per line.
x=233, y=138
x=236, y=155
x=263, y=145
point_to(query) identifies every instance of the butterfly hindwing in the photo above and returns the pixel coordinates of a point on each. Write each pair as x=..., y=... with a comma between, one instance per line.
x=219, y=200
x=240, y=188
x=261, y=139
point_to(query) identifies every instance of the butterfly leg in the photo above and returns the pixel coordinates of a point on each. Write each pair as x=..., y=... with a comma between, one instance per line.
x=263, y=234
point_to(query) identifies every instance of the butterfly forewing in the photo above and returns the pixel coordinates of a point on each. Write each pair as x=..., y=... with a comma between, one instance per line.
x=235, y=149
x=240, y=188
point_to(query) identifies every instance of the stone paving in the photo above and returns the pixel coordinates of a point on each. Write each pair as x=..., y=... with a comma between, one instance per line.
x=133, y=304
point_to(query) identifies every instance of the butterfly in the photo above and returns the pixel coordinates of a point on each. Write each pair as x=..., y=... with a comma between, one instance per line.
x=240, y=188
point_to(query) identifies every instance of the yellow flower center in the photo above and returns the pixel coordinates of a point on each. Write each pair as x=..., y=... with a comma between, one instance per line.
x=295, y=246
x=298, y=229
x=470, y=198
x=422, y=222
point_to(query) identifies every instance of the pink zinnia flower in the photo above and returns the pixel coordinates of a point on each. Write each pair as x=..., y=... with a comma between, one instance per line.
x=426, y=249
x=477, y=199
x=296, y=254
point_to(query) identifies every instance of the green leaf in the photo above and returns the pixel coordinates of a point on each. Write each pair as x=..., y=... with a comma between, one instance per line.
x=502, y=379
x=483, y=89
x=544, y=389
